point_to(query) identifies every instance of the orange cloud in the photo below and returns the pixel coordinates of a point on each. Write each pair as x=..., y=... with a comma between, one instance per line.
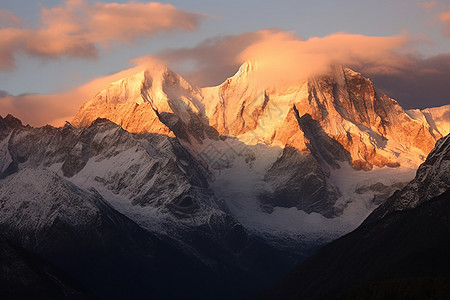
x=415, y=80
x=77, y=28
x=445, y=18
x=284, y=57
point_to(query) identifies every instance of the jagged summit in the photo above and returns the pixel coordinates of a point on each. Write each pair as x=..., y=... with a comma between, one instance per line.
x=138, y=101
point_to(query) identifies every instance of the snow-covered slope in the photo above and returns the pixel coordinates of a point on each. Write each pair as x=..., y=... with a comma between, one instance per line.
x=372, y=127
x=437, y=117
x=75, y=230
x=294, y=143
x=37, y=205
x=149, y=171
x=110, y=255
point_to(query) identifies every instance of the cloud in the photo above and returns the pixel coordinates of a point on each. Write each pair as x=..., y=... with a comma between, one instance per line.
x=445, y=18
x=283, y=56
x=412, y=79
x=77, y=29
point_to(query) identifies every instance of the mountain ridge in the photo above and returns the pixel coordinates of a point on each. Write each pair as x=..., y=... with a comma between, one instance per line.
x=395, y=243
x=372, y=127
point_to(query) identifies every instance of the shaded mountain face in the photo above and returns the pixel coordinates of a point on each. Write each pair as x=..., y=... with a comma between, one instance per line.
x=301, y=180
x=73, y=229
x=406, y=241
x=107, y=253
x=100, y=200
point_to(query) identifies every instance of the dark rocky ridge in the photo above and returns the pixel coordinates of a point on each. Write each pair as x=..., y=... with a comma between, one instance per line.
x=400, y=245
x=25, y=276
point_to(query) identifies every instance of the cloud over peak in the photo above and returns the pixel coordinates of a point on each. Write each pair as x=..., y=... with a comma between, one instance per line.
x=77, y=28
x=284, y=56
x=445, y=18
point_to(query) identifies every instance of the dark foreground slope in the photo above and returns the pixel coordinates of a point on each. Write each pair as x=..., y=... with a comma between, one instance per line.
x=403, y=252
x=25, y=276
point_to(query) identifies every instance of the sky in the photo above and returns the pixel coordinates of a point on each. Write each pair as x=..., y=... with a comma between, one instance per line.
x=56, y=54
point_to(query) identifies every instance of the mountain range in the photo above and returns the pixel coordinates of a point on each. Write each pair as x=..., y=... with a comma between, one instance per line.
x=190, y=190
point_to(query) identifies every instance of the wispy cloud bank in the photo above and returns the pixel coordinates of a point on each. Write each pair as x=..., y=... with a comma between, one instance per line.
x=77, y=28
x=283, y=56
x=414, y=80
x=445, y=18
x=8, y=19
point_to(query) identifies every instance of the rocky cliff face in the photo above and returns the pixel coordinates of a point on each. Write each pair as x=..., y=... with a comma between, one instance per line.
x=301, y=178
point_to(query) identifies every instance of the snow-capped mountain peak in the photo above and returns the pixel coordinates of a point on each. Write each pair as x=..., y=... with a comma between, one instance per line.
x=138, y=101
